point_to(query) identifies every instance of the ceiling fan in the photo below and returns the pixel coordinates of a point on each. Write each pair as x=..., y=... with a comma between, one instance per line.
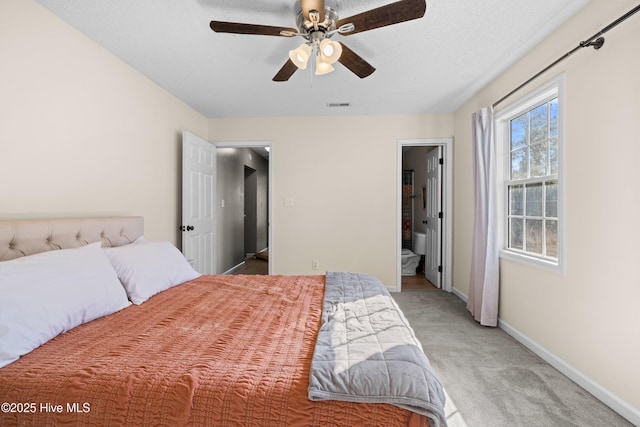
x=317, y=24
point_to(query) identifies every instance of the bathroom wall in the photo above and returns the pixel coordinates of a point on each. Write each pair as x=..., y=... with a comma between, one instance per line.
x=415, y=158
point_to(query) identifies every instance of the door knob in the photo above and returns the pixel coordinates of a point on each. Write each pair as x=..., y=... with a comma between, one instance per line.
x=186, y=228
x=424, y=222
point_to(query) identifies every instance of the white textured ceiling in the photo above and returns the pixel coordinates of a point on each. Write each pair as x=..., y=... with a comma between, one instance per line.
x=433, y=64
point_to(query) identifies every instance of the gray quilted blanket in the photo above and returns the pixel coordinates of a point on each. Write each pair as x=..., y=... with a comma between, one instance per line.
x=367, y=352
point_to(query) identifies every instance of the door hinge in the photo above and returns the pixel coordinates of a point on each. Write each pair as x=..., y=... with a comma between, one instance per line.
x=440, y=215
x=441, y=160
x=439, y=269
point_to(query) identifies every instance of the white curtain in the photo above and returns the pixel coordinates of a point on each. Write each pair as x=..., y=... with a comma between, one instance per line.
x=484, y=284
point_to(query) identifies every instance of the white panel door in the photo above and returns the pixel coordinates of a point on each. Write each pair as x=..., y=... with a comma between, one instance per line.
x=198, y=202
x=432, y=260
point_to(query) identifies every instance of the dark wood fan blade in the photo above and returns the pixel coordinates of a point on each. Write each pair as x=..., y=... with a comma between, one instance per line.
x=355, y=63
x=285, y=72
x=394, y=13
x=308, y=5
x=239, y=28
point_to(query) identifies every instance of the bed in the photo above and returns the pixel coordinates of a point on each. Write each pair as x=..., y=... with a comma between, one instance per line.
x=99, y=326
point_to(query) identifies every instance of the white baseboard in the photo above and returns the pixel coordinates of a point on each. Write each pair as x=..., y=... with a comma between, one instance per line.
x=232, y=269
x=460, y=295
x=613, y=401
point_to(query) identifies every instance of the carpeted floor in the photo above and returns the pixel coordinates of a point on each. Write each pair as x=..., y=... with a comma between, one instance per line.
x=491, y=379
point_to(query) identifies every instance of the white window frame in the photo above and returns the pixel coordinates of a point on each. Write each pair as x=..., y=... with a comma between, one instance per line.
x=502, y=117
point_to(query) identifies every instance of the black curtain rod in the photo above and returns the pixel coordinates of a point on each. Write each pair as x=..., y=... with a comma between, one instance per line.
x=596, y=41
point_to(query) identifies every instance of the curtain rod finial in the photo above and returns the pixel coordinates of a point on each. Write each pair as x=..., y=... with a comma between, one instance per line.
x=597, y=43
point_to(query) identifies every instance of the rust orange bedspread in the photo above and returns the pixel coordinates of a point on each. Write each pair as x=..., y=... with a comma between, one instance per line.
x=216, y=351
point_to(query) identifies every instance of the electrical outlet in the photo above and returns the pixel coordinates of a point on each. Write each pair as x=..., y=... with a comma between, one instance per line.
x=315, y=265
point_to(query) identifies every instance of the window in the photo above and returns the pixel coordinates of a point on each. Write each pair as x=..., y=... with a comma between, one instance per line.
x=529, y=138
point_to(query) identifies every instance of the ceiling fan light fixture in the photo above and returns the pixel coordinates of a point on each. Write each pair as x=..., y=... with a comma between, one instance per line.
x=316, y=22
x=300, y=55
x=322, y=67
x=330, y=51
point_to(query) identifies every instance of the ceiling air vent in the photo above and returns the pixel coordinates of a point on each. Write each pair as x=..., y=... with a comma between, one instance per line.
x=338, y=104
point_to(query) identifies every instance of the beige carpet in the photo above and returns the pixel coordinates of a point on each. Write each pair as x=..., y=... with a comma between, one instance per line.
x=490, y=378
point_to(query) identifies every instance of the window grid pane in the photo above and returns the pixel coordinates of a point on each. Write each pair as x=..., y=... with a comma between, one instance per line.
x=534, y=200
x=519, y=132
x=516, y=236
x=539, y=123
x=551, y=238
x=519, y=164
x=551, y=199
x=539, y=159
x=516, y=200
x=534, y=236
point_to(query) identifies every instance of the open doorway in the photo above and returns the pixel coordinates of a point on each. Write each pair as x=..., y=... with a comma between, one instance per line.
x=244, y=188
x=424, y=209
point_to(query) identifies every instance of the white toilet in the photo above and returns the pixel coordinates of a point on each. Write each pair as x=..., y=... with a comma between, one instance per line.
x=410, y=260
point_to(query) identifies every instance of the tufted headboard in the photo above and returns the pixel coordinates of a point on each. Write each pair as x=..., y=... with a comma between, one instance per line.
x=27, y=237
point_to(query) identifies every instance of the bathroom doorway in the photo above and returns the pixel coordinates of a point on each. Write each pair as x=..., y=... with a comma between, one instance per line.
x=425, y=214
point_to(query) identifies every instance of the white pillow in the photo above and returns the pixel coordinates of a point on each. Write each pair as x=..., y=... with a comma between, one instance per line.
x=44, y=295
x=146, y=269
x=140, y=239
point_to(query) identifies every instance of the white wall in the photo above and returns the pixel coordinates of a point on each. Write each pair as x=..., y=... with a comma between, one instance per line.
x=589, y=316
x=342, y=175
x=81, y=132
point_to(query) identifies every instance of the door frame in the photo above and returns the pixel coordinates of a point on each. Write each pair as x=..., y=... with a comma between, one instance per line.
x=259, y=144
x=447, y=207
